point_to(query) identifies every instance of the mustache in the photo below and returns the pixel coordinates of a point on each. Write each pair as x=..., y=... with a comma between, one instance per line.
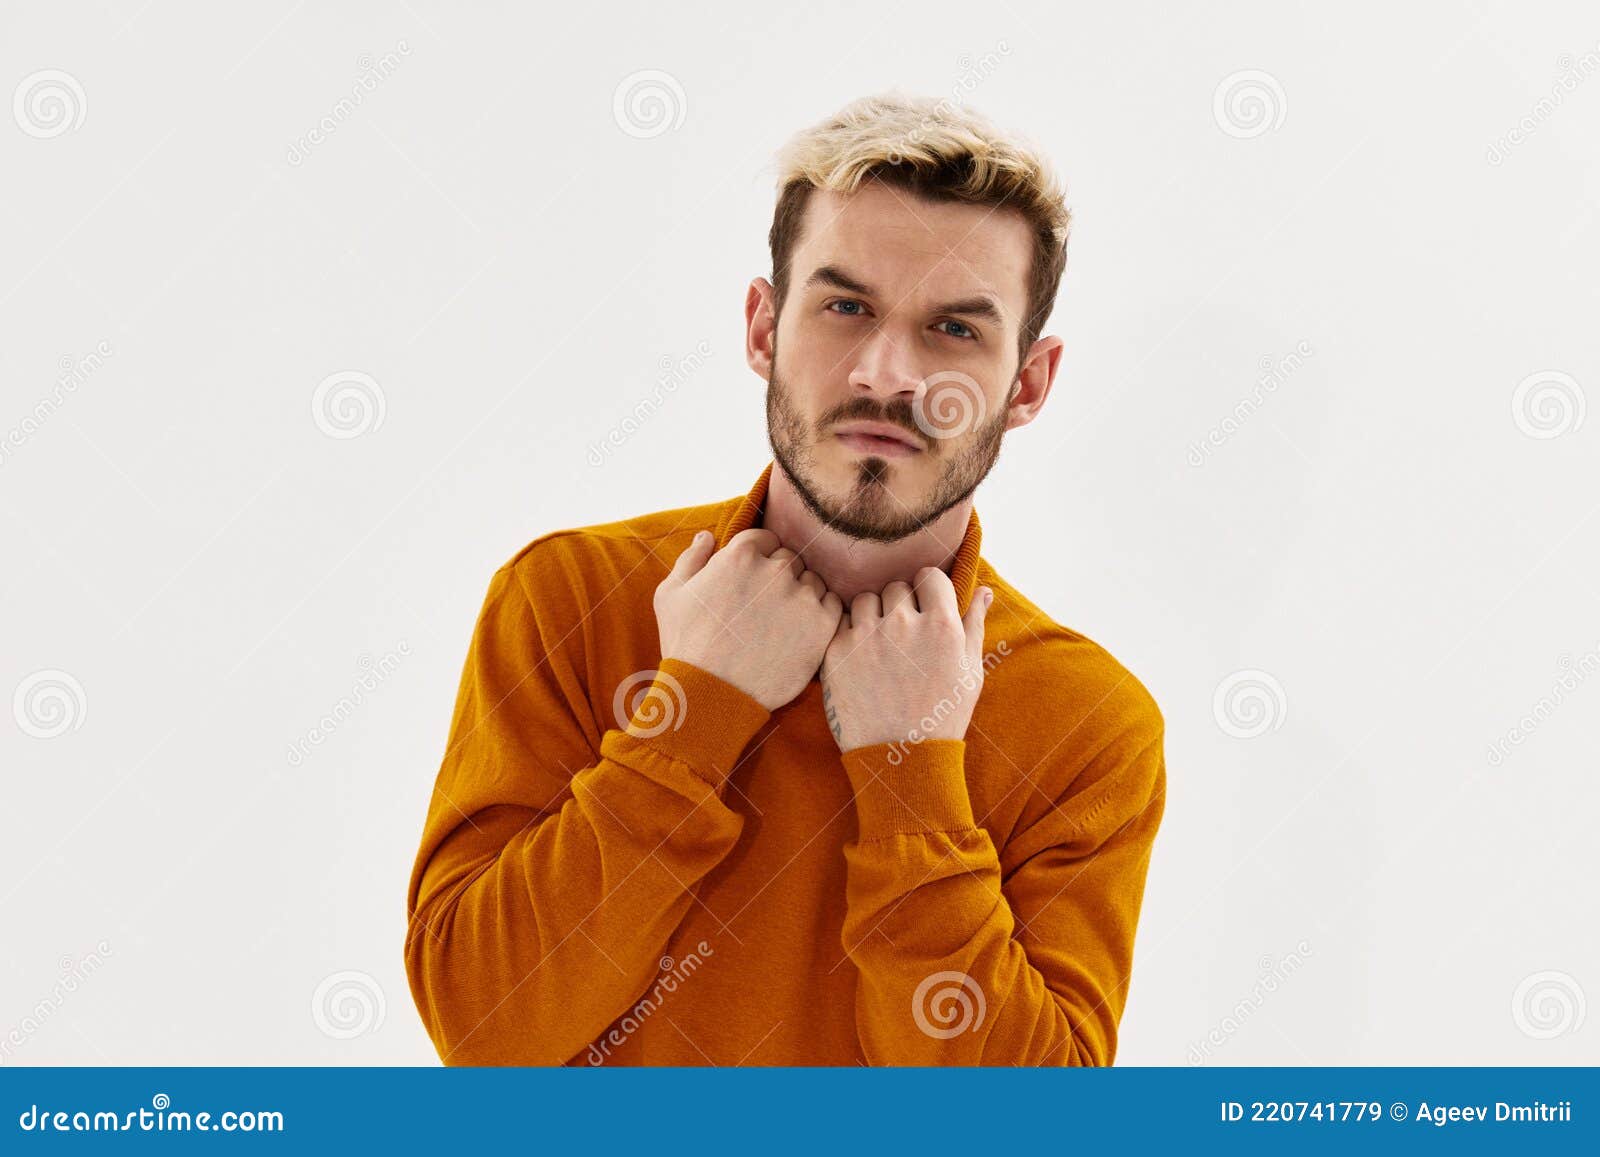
x=896, y=412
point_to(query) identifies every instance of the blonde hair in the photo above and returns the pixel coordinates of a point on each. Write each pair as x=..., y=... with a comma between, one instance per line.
x=940, y=152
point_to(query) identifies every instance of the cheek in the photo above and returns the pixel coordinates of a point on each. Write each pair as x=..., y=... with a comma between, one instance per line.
x=953, y=406
x=824, y=346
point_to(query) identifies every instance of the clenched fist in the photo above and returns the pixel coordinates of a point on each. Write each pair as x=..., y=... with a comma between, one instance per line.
x=904, y=664
x=750, y=614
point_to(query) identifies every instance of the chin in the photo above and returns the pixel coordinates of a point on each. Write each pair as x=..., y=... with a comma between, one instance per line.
x=883, y=485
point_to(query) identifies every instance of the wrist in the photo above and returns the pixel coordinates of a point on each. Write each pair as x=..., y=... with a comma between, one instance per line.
x=720, y=669
x=695, y=717
x=901, y=738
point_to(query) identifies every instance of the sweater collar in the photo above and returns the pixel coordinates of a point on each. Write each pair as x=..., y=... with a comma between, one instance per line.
x=963, y=569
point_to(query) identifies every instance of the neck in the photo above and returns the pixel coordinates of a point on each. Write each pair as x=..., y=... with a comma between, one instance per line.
x=850, y=566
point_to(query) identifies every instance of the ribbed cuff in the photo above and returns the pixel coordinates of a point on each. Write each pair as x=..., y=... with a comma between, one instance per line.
x=691, y=716
x=904, y=788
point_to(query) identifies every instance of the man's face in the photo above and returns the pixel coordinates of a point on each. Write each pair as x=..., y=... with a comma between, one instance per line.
x=895, y=354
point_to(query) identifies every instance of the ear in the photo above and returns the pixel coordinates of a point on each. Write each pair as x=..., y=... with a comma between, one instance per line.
x=760, y=326
x=1034, y=379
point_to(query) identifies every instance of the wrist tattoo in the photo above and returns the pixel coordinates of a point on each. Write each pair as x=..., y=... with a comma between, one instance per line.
x=832, y=713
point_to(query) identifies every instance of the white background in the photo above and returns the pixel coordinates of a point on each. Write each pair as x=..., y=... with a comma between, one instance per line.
x=1386, y=536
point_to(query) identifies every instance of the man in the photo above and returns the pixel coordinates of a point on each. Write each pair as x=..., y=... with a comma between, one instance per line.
x=797, y=778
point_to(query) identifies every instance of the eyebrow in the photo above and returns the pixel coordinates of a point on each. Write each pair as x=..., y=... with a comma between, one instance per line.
x=978, y=305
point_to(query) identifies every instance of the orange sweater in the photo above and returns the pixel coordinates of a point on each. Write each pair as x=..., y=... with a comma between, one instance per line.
x=715, y=884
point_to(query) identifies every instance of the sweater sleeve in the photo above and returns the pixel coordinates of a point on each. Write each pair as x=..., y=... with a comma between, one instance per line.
x=963, y=963
x=552, y=874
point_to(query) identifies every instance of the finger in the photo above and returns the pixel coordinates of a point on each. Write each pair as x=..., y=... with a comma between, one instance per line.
x=757, y=539
x=796, y=564
x=974, y=622
x=812, y=581
x=864, y=607
x=896, y=595
x=694, y=557
x=935, y=592
x=841, y=629
x=835, y=606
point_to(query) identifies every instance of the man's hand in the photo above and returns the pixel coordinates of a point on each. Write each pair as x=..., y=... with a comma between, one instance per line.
x=905, y=664
x=750, y=614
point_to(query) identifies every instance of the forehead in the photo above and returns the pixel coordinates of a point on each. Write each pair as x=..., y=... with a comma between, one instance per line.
x=915, y=249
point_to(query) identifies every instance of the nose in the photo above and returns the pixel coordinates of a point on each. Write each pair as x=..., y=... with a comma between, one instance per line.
x=885, y=367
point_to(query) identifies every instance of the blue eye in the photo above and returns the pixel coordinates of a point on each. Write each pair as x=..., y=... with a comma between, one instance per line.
x=854, y=304
x=967, y=330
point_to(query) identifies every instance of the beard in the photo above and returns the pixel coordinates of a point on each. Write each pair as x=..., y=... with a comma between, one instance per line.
x=870, y=510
